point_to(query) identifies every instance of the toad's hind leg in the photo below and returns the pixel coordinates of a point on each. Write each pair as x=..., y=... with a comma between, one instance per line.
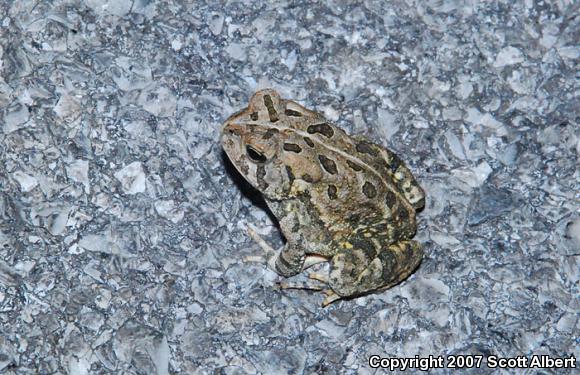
x=360, y=270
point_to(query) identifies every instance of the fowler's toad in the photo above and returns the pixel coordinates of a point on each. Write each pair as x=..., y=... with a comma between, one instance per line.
x=336, y=196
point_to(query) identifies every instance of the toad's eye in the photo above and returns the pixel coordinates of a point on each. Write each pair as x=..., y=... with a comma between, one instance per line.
x=255, y=155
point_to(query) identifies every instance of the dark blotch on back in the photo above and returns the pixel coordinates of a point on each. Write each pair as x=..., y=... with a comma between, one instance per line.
x=254, y=116
x=365, y=245
x=328, y=164
x=308, y=178
x=402, y=214
x=308, y=141
x=366, y=148
x=390, y=198
x=271, y=110
x=324, y=129
x=293, y=147
x=290, y=112
x=355, y=167
x=269, y=133
x=389, y=261
x=369, y=190
x=332, y=192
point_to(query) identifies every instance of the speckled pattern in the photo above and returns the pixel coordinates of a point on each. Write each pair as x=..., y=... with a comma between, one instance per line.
x=122, y=227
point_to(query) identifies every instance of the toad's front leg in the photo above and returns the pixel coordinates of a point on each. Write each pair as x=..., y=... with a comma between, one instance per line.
x=288, y=262
x=272, y=257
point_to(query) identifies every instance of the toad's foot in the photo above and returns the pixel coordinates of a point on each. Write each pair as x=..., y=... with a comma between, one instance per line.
x=311, y=260
x=300, y=285
x=330, y=297
x=318, y=276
